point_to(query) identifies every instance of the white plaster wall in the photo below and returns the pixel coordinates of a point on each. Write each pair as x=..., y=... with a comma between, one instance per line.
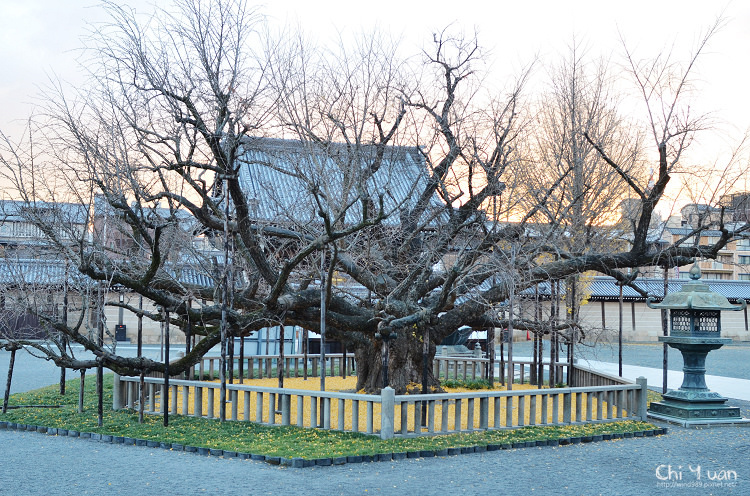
x=646, y=326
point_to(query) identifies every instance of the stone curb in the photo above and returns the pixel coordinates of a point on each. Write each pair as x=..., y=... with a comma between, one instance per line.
x=327, y=462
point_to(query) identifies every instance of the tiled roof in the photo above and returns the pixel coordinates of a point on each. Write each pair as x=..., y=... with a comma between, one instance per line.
x=51, y=273
x=32, y=272
x=278, y=177
x=17, y=211
x=605, y=288
x=684, y=231
x=191, y=276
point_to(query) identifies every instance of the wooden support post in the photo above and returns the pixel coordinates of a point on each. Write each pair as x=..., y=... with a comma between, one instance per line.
x=10, y=377
x=80, y=390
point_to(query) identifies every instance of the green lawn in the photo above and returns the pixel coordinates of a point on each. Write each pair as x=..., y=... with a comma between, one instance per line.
x=246, y=437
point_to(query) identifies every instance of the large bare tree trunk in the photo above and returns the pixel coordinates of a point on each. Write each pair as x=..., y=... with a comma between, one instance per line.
x=573, y=308
x=405, y=367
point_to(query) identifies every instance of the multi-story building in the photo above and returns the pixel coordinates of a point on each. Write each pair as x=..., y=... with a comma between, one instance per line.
x=733, y=261
x=739, y=206
x=20, y=234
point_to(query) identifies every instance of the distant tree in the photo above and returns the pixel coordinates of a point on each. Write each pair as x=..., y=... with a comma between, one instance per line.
x=581, y=211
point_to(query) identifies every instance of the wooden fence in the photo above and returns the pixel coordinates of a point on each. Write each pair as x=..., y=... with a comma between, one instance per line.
x=445, y=367
x=387, y=414
x=583, y=376
x=471, y=368
x=265, y=366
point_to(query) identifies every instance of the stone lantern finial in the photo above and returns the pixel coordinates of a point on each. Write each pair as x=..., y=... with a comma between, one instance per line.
x=695, y=272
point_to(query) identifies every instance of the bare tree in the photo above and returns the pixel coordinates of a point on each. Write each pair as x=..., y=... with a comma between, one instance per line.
x=383, y=167
x=579, y=212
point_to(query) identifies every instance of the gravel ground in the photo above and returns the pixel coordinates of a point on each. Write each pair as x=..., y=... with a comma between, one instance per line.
x=40, y=464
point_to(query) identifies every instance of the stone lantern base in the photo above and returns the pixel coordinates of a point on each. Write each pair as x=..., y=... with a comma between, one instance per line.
x=694, y=404
x=695, y=413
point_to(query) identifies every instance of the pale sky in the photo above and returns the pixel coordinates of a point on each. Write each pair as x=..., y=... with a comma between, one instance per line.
x=40, y=37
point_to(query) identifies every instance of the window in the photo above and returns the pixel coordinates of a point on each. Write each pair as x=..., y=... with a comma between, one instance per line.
x=743, y=277
x=743, y=244
x=744, y=259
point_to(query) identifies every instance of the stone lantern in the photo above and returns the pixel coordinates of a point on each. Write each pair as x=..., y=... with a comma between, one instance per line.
x=695, y=316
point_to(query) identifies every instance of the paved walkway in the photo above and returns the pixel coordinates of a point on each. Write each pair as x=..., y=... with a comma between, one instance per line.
x=729, y=387
x=37, y=464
